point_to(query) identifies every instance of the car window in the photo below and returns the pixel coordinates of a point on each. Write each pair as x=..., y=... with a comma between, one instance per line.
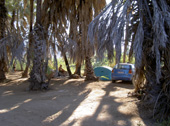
x=116, y=66
x=133, y=66
x=122, y=66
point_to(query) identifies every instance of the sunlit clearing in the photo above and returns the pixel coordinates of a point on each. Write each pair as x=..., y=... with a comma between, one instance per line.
x=120, y=91
x=104, y=115
x=87, y=108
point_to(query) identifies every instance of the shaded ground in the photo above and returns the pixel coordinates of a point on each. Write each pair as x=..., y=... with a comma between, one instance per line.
x=69, y=103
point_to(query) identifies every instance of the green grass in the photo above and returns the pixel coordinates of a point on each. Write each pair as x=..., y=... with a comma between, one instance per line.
x=94, y=60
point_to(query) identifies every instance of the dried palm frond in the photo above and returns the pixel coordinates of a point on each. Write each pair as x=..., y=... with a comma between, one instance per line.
x=11, y=43
x=149, y=28
x=110, y=24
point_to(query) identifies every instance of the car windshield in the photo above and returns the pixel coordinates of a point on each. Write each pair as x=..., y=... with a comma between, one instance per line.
x=123, y=66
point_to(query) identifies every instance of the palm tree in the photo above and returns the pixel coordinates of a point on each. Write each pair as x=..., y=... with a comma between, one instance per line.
x=81, y=14
x=86, y=19
x=149, y=36
x=3, y=18
x=11, y=43
x=25, y=73
x=37, y=75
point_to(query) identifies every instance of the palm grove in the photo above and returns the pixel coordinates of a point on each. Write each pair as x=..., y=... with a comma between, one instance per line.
x=80, y=30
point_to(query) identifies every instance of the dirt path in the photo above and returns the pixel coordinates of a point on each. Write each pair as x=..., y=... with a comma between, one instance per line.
x=69, y=103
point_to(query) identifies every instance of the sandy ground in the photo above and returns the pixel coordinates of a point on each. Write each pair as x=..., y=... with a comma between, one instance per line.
x=69, y=103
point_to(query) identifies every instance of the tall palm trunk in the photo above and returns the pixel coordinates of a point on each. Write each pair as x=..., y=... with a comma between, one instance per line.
x=85, y=19
x=78, y=69
x=89, y=70
x=37, y=75
x=13, y=19
x=55, y=58
x=2, y=71
x=56, y=66
x=126, y=43
x=3, y=16
x=25, y=73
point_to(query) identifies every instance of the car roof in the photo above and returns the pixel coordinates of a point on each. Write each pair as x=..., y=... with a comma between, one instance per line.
x=126, y=64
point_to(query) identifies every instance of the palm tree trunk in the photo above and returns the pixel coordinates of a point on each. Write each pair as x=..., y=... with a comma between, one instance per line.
x=55, y=59
x=126, y=43
x=125, y=50
x=67, y=65
x=78, y=69
x=13, y=19
x=20, y=62
x=17, y=21
x=37, y=75
x=85, y=19
x=56, y=65
x=2, y=71
x=25, y=73
x=89, y=70
x=2, y=29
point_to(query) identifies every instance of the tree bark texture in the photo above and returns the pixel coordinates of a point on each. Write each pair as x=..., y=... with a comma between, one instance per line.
x=67, y=65
x=29, y=52
x=2, y=71
x=78, y=69
x=89, y=70
x=37, y=75
x=85, y=19
x=56, y=66
x=3, y=17
x=126, y=43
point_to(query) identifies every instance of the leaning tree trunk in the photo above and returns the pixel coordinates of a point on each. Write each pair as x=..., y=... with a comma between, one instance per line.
x=3, y=17
x=67, y=65
x=29, y=52
x=37, y=75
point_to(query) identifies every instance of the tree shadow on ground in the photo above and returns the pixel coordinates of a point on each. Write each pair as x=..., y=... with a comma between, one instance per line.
x=70, y=95
x=146, y=114
x=67, y=103
x=104, y=112
x=36, y=107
